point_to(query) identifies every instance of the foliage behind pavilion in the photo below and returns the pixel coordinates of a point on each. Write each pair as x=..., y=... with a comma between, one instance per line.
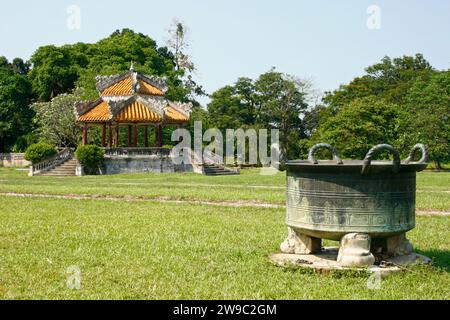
x=133, y=100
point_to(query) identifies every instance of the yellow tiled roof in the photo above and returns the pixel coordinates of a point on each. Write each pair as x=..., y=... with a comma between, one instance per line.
x=121, y=88
x=174, y=115
x=146, y=88
x=137, y=112
x=97, y=114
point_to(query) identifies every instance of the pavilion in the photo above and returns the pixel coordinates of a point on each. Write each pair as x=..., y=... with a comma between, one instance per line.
x=136, y=102
x=131, y=100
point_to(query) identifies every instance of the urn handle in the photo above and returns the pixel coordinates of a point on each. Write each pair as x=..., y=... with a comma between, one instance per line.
x=323, y=146
x=372, y=152
x=423, y=148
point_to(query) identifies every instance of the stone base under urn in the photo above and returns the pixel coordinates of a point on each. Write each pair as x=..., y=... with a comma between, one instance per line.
x=356, y=251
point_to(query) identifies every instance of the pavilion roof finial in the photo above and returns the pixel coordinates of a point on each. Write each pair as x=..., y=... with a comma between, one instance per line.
x=132, y=66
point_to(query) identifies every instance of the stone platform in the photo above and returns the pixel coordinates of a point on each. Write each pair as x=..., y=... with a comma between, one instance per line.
x=327, y=261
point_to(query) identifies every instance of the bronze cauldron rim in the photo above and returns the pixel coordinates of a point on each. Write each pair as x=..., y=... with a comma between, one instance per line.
x=365, y=166
x=348, y=166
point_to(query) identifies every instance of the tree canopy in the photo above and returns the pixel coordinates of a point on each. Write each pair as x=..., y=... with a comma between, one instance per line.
x=426, y=117
x=358, y=126
x=234, y=106
x=273, y=101
x=389, y=79
x=15, y=97
x=56, y=119
x=401, y=101
x=59, y=70
x=56, y=69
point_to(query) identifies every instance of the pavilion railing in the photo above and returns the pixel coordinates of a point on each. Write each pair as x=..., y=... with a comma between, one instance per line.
x=136, y=152
x=52, y=162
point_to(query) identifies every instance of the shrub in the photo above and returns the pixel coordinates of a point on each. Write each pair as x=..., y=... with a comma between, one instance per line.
x=90, y=157
x=39, y=152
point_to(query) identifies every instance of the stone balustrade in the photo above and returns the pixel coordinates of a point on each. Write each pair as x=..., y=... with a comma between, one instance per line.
x=13, y=160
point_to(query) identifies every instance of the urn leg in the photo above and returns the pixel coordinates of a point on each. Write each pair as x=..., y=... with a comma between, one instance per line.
x=398, y=246
x=297, y=243
x=354, y=250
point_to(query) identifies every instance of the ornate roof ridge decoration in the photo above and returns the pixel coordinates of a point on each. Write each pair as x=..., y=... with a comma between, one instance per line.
x=104, y=82
x=116, y=106
x=83, y=107
x=154, y=103
x=134, y=80
x=185, y=108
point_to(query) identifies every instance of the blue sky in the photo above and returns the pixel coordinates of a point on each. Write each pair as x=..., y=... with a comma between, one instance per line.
x=328, y=41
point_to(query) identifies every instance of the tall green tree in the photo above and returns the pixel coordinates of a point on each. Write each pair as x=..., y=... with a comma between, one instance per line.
x=234, y=106
x=387, y=104
x=426, y=117
x=273, y=101
x=56, y=70
x=358, y=126
x=15, y=97
x=389, y=79
x=281, y=103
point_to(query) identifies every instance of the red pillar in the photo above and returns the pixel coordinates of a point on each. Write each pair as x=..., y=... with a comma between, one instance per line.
x=159, y=137
x=117, y=135
x=129, y=136
x=104, y=135
x=146, y=136
x=135, y=136
x=110, y=135
x=85, y=134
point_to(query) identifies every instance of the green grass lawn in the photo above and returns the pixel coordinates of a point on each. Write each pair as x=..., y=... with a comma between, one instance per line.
x=154, y=250
x=433, y=188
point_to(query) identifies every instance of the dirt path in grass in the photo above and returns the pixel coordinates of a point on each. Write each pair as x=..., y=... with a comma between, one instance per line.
x=243, y=203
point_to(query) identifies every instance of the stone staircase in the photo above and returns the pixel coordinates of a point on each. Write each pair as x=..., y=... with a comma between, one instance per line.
x=68, y=168
x=217, y=170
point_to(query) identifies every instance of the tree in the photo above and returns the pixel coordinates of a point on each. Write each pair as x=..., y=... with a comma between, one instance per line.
x=56, y=119
x=15, y=97
x=358, y=126
x=178, y=43
x=282, y=101
x=114, y=55
x=311, y=119
x=273, y=101
x=55, y=70
x=58, y=70
x=352, y=126
x=21, y=67
x=425, y=118
x=233, y=106
x=389, y=80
